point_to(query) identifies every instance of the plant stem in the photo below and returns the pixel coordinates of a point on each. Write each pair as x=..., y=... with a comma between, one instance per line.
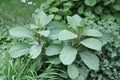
x=78, y=38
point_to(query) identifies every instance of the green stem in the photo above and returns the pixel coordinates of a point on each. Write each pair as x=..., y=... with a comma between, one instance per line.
x=78, y=38
x=38, y=39
x=38, y=36
x=79, y=32
x=49, y=67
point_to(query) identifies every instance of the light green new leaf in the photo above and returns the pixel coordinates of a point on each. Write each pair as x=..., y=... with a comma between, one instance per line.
x=74, y=21
x=68, y=55
x=90, y=2
x=81, y=9
x=44, y=33
x=35, y=51
x=44, y=19
x=92, y=32
x=92, y=43
x=84, y=71
x=57, y=17
x=53, y=9
x=53, y=49
x=66, y=35
x=90, y=59
x=73, y=71
x=19, y=50
x=21, y=32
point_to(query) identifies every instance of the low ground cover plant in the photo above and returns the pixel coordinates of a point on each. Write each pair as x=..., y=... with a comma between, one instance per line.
x=58, y=42
x=67, y=40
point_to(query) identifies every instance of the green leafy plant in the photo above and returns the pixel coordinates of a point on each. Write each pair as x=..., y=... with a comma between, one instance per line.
x=61, y=41
x=49, y=43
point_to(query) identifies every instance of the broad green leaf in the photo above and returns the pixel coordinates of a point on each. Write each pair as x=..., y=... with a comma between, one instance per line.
x=48, y=19
x=84, y=71
x=92, y=32
x=92, y=43
x=19, y=50
x=90, y=59
x=54, y=60
x=56, y=24
x=54, y=33
x=57, y=17
x=66, y=35
x=44, y=19
x=74, y=21
x=72, y=71
x=35, y=51
x=68, y=55
x=90, y=2
x=53, y=9
x=53, y=49
x=44, y=33
x=21, y=32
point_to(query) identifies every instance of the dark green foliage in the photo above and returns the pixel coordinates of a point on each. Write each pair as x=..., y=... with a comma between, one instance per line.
x=102, y=15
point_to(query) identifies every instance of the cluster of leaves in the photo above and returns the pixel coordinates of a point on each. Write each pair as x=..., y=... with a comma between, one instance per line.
x=49, y=42
x=102, y=15
x=61, y=43
x=109, y=57
x=22, y=68
x=63, y=8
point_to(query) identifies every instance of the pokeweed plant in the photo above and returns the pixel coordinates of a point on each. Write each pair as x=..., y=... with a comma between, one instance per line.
x=60, y=42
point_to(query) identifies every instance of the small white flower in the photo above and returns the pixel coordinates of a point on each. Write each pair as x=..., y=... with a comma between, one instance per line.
x=23, y=1
x=30, y=3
